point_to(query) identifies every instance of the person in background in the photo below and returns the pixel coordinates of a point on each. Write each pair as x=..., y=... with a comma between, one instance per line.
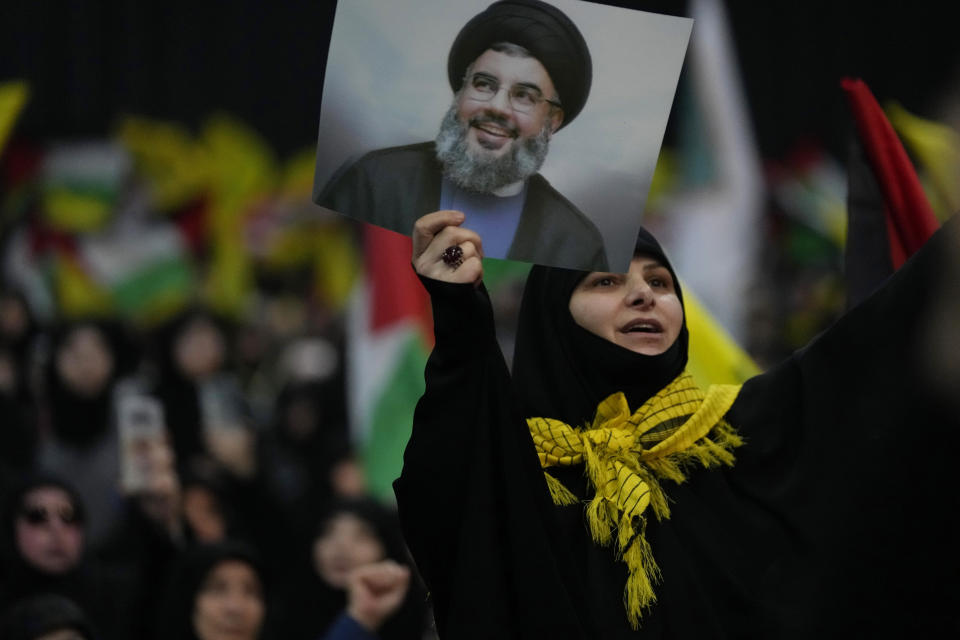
x=46, y=617
x=43, y=550
x=169, y=513
x=218, y=593
x=374, y=593
x=87, y=357
x=203, y=406
x=18, y=431
x=305, y=454
x=360, y=585
x=19, y=329
x=18, y=348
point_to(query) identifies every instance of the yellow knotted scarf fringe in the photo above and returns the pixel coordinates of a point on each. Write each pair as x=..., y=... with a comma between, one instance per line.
x=626, y=457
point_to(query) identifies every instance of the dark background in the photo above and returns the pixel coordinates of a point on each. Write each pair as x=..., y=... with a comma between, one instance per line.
x=90, y=62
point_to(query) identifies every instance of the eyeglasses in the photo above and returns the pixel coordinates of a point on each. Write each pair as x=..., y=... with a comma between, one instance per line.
x=37, y=516
x=524, y=98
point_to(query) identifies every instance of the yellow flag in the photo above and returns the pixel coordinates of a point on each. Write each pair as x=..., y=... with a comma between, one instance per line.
x=175, y=165
x=244, y=173
x=78, y=295
x=74, y=210
x=715, y=358
x=325, y=241
x=336, y=264
x=297, y=179
x=937, y=148
x=13, y=95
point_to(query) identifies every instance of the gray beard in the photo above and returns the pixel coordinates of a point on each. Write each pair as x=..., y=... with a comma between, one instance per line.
x=474, y=172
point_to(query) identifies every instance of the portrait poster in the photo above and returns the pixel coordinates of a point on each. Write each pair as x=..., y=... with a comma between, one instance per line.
x=387, y=86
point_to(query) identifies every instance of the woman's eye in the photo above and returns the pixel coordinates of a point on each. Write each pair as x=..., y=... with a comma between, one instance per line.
x=660, y=282
x=604, y=282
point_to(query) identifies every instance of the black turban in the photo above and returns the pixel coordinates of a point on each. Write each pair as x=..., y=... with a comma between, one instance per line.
x=540, y=28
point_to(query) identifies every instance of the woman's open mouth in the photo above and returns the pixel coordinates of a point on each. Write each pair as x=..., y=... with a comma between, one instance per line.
x=642, y=326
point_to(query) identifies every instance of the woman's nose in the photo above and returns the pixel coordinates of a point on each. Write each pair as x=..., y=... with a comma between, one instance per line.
x=639, y=293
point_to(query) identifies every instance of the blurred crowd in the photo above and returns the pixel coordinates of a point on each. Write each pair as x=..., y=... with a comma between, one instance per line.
x=141, y=489
x=176, y=458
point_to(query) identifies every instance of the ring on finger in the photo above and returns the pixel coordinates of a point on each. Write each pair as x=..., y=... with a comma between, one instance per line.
x=452, y=256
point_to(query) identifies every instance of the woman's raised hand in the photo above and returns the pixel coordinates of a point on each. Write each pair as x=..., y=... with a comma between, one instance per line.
x=376, y=591
x=442, y=250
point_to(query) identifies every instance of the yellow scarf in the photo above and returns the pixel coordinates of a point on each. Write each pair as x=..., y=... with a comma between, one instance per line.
x=627, y=455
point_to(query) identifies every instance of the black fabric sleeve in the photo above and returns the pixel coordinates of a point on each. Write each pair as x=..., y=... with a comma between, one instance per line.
x=473, y=503
x=852, y=446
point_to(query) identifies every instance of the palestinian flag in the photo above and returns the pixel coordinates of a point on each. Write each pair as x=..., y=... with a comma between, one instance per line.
x=81, y=185
x=390, y=335
x=146, y=269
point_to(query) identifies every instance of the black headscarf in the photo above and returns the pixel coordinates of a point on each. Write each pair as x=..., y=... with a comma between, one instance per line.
x=19, y=577
x=540, y=28
x=194, y=566
x=77, y=419
x=179, y=393
x=382, y=520
x=563, y=371
x=37, y=616
x=105, y=596
x=19, y=436
x=13, y=504
x=19, y=342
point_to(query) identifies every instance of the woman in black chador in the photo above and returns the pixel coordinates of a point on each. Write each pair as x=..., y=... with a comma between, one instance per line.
x=597, y=493
x=43, y=550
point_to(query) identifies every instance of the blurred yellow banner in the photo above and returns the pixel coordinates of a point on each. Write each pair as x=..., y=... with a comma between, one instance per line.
x=936, y=148
x=13, y=95
x=715, y=358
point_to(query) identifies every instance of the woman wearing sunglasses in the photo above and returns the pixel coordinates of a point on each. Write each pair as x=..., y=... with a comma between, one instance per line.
x=43, y=551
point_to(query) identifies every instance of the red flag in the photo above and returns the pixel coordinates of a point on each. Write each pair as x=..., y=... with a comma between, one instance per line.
x=396, y=294
x=910, y=218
